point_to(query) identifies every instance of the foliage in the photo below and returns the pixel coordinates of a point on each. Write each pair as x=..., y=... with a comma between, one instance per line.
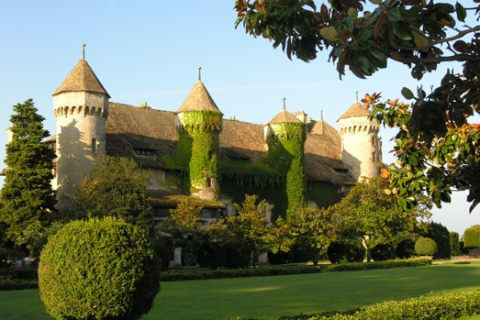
x=182, y=274
x=382, y=252
x=309, y=230
x=20, y=284
x=405, y=249
x=430, y=307
x=27, y=196
x=346, y=250
x=98, y=269
x=163, y=247
x=441, y=235
x=250, y=225
x=198, y=147
x=436, y=148
x=367, y=212
x=184, y=229
x=425, y=246
x=471, y=237
x=115, y=187
x=454, y=243
x=285, y=154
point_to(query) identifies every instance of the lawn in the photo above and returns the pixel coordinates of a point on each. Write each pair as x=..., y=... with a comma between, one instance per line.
x=272, y=297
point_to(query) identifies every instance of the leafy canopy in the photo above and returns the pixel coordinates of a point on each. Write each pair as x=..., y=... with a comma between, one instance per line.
x=115, y=187
x=367, y=212
x=27, y=195
x=437, y=149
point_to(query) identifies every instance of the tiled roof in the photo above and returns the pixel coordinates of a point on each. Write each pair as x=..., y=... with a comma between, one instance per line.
x=284, y=116
x=198, y=100
x=356, y=110
x=81, y=78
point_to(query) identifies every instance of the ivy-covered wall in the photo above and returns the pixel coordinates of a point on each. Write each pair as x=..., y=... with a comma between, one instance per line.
x=286, y=154
x=198, y=148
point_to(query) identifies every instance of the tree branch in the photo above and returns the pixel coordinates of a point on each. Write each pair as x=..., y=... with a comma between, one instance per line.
x=457, y=36
x=458, y=57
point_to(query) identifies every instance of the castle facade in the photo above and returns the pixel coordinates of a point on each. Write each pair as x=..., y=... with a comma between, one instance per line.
x=196, y=153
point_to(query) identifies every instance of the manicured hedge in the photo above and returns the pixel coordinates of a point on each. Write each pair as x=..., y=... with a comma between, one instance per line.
x=18, y=273
x=13, y=284
x=431, y=307
x=182, y=274
x=186, y=274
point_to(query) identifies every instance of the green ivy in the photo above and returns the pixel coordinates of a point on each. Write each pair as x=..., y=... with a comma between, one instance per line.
x=198, y=147
x=286, y=154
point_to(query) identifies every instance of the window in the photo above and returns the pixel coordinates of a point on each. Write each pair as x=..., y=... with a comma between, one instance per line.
x=94, y=145
x=144, y=152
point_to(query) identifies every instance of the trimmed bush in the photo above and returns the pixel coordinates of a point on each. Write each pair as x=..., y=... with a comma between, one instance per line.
x=382, y=252
x=405, y=249
x=440, y=234
x=346, y=251
x=98, y=269
x=471, y=237
x=425, y=247
x=431, y=307
x=454, y=243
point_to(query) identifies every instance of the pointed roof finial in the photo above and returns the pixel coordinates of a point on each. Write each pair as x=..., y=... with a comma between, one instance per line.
x=357, y=96
x=284, y=104
x=321, y=115
x=199, y=74
x=83, y=51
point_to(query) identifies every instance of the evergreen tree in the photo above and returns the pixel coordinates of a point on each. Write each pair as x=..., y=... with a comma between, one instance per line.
x=27, y=195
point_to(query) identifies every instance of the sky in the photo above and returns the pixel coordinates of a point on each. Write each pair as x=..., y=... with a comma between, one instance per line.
x=150, y=51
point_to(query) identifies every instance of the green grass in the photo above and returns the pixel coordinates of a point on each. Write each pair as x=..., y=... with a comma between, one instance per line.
x=272, y=297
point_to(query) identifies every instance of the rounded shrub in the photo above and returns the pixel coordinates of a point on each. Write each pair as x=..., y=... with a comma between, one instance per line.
x=346, y=251
x=98, y=269
x=471, y=237
x=425, y=247
x=405, y=249
x=382, y=252
x=440, y=234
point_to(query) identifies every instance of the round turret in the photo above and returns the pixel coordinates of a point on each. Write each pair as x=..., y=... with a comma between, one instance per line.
x=361, y=148
x=285, y=136
x=80, y=108
x=199, y=123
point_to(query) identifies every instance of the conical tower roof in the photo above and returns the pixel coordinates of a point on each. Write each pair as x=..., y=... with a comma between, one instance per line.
x=356, y=110
x=199, y=100
x=284, y=116
x=81, y=78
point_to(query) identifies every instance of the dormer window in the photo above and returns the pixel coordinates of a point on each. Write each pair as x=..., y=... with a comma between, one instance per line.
x=341, y=171
x=144, y=152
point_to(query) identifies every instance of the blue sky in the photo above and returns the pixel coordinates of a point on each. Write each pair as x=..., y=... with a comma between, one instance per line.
x=151, y=50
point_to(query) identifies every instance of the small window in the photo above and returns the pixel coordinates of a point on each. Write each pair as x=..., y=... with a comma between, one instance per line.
x=94, y=145
x=144, y=152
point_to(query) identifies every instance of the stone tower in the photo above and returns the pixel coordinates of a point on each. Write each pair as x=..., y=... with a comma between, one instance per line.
x=80, y=106
x=285, y=136
x=361, y=149
x=199, y=123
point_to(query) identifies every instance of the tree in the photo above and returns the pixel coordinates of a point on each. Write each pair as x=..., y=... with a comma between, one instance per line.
x=368, y=213
x=471, y=237
x=309, y=230
x=27, y=195
x=437, y=149
x=115, y=187
x=251, y=224
x=184, y=228
x=99, y=269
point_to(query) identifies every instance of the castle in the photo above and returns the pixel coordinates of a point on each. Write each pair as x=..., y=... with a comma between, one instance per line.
x=196, y=153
